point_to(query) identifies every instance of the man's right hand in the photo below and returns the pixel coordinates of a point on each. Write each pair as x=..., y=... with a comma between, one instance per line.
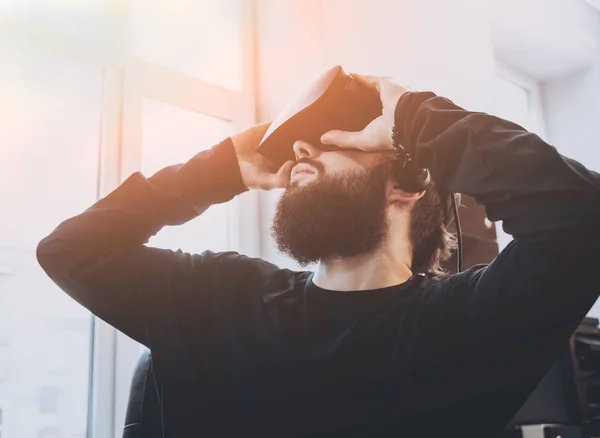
x=377, y=135
x=257, y=171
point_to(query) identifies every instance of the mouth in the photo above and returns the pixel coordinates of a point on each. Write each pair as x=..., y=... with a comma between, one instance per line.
x=301, y=172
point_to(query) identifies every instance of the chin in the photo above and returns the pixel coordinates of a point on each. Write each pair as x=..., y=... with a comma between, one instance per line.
x=299, y=182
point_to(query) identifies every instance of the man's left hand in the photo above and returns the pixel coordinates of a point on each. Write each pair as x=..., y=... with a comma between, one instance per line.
x=377, y=135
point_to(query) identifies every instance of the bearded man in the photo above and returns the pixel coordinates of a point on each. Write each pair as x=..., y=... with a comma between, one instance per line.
x=376, y=341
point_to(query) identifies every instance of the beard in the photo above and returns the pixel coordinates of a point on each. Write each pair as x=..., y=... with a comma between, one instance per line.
x=332, y=216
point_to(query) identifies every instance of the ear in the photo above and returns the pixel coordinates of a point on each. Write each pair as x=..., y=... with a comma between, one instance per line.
x=395, y=194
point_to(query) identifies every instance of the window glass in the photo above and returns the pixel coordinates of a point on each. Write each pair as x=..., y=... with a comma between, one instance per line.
x=49, y=120
x=90, y=21
x=201, y=38
x=173, y=135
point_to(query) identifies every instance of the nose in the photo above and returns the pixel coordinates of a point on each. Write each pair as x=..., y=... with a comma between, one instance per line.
x=304, y=149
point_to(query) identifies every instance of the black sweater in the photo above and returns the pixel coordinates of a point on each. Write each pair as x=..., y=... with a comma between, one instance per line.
x=241, y=346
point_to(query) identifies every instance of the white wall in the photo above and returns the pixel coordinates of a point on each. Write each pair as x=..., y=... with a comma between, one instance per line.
x=440, y=45
x=289, y=51
x=556, y=42
x=572, y=112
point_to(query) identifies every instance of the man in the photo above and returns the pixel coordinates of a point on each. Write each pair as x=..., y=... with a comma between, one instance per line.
x=374, y=343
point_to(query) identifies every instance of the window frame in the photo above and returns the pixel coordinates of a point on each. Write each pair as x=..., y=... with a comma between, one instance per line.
x=140, y=80
x=535, y=108
x=532, y=87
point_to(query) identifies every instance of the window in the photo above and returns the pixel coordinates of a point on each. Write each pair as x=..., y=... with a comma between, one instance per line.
x=91, y=92
x=49, y=432
x=4, y=350
x=172, y=135
x=518, y=99
x=89, y=21
x=49, y=400
x=187, y=87
x=181, y=35
x=48, y=172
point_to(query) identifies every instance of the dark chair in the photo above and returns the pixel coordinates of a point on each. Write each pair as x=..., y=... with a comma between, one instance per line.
x=143, y=417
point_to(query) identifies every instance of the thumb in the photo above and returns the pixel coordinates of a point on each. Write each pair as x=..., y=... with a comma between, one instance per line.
x=279, y=180
x=284, y=174
x=344, y=139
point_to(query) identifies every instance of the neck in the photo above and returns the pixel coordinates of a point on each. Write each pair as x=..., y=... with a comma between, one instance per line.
x=388, y=265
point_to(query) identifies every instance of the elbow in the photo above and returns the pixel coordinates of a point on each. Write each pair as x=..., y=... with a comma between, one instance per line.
x=42, y=253
x=49, y=254
x=64, y=258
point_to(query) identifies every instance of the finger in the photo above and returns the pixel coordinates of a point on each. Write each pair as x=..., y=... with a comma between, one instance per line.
x=373, y=82
x=265, y=125
x=261, y=129
x=266, y=181
x=284, y=173
x=275, y=180
x=344, y=139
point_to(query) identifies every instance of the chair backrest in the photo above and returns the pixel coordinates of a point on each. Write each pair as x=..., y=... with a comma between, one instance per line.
x=143, y=417
x=554, y=400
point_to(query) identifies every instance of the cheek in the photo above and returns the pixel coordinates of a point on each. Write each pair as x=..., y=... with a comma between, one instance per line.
x=336, y=163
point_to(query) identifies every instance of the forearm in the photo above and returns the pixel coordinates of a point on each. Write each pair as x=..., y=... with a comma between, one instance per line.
x=140, y=207
x=518, y=177
x=541, y=285
x=99, y=257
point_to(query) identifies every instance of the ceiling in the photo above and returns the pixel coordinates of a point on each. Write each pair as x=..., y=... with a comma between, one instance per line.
x=546, y=39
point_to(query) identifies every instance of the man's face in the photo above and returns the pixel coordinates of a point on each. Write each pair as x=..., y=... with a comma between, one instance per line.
x=335, y=205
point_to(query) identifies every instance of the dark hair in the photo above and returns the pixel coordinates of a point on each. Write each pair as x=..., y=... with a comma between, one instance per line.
x=430, y=240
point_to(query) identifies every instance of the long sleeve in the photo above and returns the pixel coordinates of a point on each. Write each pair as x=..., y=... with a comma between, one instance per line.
x=489, y=334
x=100, y=259
x=538, y=289
x=519, y=178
